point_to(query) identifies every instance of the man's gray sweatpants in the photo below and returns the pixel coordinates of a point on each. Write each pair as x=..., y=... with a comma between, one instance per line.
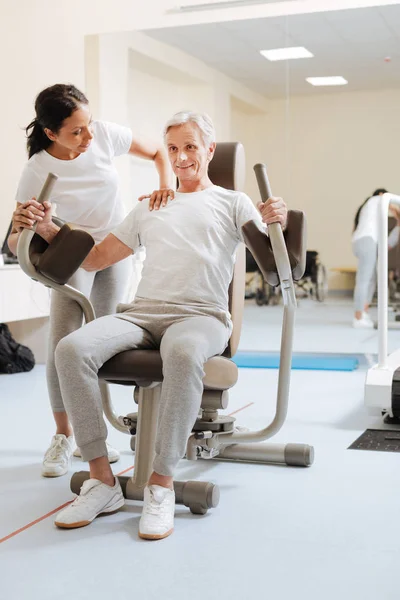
x=187, y=337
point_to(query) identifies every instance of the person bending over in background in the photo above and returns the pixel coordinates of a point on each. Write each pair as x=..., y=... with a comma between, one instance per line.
x=365, y=248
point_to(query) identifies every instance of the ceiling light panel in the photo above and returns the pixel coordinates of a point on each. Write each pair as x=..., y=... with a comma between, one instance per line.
x=286, y=53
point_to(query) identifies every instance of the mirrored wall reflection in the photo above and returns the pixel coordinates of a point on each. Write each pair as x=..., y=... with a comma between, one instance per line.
x=326, y=119
x=231, y=85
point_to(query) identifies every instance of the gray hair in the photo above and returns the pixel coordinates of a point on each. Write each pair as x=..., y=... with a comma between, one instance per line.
x=202, y=120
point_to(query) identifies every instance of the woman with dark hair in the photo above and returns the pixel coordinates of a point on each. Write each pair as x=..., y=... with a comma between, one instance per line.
x=378, y=192
x=365, y=248
x=65, y=140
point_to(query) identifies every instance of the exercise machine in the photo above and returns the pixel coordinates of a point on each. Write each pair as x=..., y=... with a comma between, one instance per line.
x=281, y=259
x=382, y=386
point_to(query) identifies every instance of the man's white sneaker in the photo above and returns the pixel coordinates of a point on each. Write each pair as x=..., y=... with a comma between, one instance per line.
x=57, y=459
x=157, y=520
x=113, y=454
x=95, y=498
x=363, y=323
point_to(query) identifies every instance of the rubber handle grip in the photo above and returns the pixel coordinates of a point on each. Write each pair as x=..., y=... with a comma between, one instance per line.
x=47, y=187
x=263, y=182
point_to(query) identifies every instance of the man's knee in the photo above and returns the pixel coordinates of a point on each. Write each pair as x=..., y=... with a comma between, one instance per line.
x=69, y=349
x=184, y=354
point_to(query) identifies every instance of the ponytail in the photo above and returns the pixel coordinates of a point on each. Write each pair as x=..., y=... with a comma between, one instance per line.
x=377, y=192
x=357, y=217
x=37, y=140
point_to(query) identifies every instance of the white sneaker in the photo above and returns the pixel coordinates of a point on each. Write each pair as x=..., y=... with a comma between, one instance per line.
x=363, y=323
x=157, y=520
x=95, y=498
x=57, y=459
x=113, y=454
x=366, y=316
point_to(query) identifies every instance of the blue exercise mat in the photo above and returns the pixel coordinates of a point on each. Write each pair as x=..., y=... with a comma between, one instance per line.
x=307, y=362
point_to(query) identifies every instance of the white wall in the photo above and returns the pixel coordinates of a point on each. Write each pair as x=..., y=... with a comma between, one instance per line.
x=245, y=124
x=324, y=153
x=29, y=62
x=326, y=158
x=152, y=100
x=34, y=55
x=160, y=81
x=135, y=80
x=43, y=42
x=153, y=97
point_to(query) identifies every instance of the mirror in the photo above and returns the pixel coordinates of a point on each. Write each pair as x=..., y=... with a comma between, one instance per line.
x=326, y=147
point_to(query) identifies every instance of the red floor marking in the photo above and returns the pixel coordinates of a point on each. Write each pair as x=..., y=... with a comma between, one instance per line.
x=239, y=409
x=49, y=514
x=25, y=527
x=4, y=539
x=125, y=471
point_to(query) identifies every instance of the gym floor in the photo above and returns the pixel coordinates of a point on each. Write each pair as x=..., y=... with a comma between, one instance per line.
x=327, y=532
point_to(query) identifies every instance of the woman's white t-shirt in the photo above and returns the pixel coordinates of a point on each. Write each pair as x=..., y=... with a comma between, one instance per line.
x=368, y=220
x=368, y=223
x=87, y=192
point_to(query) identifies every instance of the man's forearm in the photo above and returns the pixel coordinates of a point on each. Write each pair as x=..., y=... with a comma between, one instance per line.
x=110, y=251
x=94, y=261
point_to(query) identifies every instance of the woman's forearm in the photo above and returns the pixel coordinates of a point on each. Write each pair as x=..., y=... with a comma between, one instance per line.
x=48, y=233
x=13, y=241
x=163, y=167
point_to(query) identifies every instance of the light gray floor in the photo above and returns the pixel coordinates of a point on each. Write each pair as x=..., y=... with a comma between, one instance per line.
x=332, y=330
x=326, y=533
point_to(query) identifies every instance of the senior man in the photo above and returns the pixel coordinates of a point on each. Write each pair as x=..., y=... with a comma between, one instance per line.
x=181, y=307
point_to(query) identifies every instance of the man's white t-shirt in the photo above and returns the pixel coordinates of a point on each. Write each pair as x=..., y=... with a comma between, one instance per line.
x=87, y=192
x=190, y=245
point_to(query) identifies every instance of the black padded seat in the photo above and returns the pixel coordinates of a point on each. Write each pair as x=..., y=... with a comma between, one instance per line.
x=143, y=367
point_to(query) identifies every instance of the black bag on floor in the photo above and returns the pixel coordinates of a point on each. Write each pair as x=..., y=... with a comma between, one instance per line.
x=14, y=358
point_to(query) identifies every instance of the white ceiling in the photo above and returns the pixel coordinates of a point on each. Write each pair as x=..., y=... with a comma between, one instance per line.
x=351, y=43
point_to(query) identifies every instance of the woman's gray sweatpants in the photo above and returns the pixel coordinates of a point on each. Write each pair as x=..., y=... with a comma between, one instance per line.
x=366, y=250
x=106, y=289
x=187, y=337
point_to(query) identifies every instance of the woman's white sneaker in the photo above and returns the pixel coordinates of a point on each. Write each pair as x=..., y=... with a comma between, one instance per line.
x=95, y=498
x=363, y=323
x=113, y=454
x=157, y=520
x=366, y=316
x=57, y=459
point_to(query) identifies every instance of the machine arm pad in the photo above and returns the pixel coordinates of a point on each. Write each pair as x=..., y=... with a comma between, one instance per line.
x=59, y=260
x=260, y=246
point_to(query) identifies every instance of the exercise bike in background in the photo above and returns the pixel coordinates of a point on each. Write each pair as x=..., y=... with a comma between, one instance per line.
x=256, y=286
x=313, y=284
